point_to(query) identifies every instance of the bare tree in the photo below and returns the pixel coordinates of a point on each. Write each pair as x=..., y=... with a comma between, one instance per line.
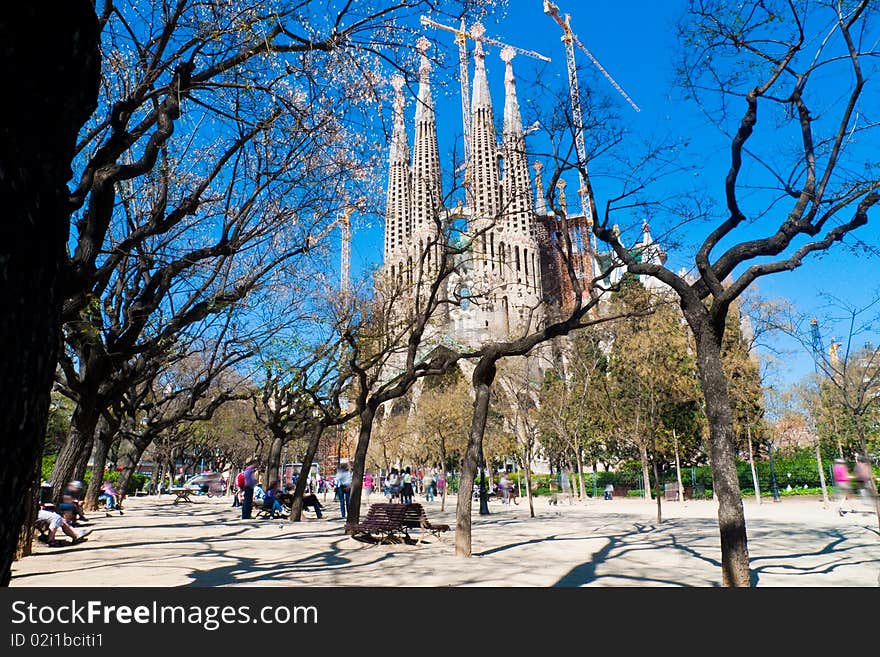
x=766, y=55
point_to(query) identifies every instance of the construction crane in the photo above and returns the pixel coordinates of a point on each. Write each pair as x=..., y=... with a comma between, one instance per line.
x=461, y=37
x=570, y=39
x=345, y=250
x=816, y=339
x=819, y=349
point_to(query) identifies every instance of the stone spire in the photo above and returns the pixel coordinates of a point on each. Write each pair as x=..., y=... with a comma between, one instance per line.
x=426, y=179
x=397, y=209
x=540, y=202
x=517, y=185
x=484, y=175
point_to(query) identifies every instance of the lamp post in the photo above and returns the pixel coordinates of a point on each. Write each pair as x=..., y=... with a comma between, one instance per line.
x=773, y=485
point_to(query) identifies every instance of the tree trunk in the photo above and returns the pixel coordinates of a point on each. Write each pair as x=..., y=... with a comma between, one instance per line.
x=582, y=495
x=643, y=455
x=731, y=518
x=273, y=460
x=678, y=467
x=26, y=536
x=368, y=416
x=657, y=492
x=443, y=470
x=299, y=490
x=49, y=56
x=484, y=374
x=79, y=442
x=130, y=456
x=102, y=448
x=529, y=492
x=82, y=463
x=821, y=475
x=754, y=469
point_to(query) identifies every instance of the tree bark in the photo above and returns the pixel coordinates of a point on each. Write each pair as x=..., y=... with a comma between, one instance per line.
x=50, y=59
x=582, y=495
x=821, y=474
x=657, y=492
x=299, y=490
x=273, y=460
x=26, y=536
x=484, y=374
x=367, y=417
x=678, y=467
x=754, y=469
x=83, y=424
x=129, y=458
x=731, y=518
x=443, y=470
x=643, y=455
x=102, y=448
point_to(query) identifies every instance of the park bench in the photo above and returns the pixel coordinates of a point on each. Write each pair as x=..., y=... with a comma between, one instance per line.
x=384, y=522
x=415, y=518
x=181, y=494
x=671, y=492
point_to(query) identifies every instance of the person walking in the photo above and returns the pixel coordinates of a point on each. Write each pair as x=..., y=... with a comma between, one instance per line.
x=342, y=483
x=863, y=475
x=428, y=486
x=406, y=492
x=247, y=497
x=392, y=484
x=504, y=488
x=842, y=484
x=368, y=484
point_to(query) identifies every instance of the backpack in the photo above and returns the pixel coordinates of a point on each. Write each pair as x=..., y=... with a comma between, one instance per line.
x=239, y=480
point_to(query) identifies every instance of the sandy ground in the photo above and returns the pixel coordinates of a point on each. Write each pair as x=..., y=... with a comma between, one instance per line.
x=795, y=543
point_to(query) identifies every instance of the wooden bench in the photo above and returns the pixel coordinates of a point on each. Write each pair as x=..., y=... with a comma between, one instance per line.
x=182, y=494
x=384, y=522
x=671, y=492
x=416, y=518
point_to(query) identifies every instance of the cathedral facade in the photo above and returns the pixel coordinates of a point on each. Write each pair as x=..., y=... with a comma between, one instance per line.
x=509, y=276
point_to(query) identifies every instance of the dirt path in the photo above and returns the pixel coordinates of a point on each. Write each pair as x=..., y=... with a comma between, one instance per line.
x=795, y=542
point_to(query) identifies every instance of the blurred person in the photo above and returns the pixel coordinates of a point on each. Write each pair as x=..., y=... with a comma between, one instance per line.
x=250, y=482
x=863, y=474
x=342, y=483
x=55, y=521
x=368, y=484
x=428, y=486
x=71, y=503
x=504, y=488
x=271, y=500
x=842, y=484
x=406, y=490
x=110, y=497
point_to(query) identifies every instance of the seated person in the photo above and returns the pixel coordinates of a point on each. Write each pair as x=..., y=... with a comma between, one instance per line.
x=110, y=496
x=55, y=521
x=271, y=501
x=71, y=503
x=259, y=495
x=310, y=500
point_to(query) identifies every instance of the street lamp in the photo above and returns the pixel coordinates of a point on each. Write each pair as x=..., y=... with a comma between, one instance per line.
x=773, y=486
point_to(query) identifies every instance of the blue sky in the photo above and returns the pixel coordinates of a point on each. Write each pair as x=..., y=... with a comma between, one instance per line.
x=635, y=40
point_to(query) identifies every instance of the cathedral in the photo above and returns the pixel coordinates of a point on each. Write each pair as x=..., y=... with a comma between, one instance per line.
x=509, y=277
